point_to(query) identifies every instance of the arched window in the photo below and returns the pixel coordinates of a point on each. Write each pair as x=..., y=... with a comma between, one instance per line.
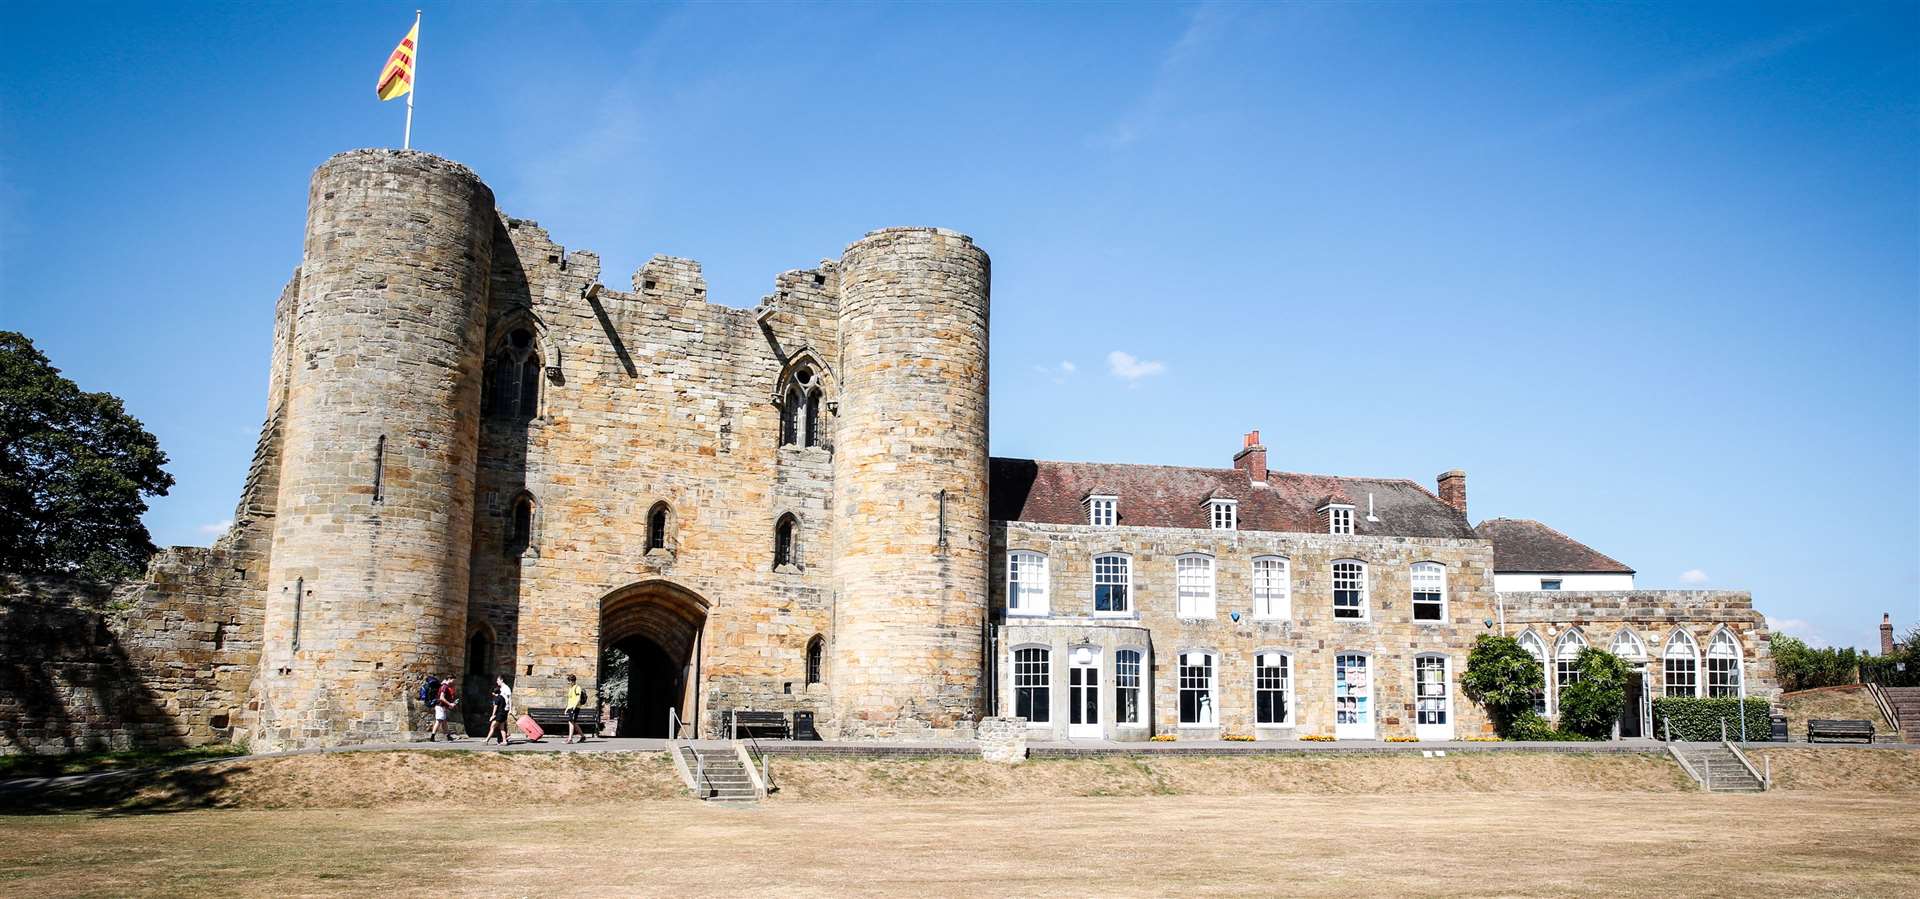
x=1033, y=684
x=1126, y=686
x=479, y=653
x=1566, y=659
x=1198, y=687
x=800, y=422
x=815, y=649
x=1723, y=664
x=1432, y=702
x=1680, y=664
x=657, y=521
x=786, y=541
x=1627, y=645
x=1429, y=591
x=1349, y=589
x=1272, y=594
x=520, y=525
x=1530, y=642
x=1112, y=584
x=514, y=377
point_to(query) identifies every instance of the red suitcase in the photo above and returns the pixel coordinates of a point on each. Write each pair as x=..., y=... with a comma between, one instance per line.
x=528, y=727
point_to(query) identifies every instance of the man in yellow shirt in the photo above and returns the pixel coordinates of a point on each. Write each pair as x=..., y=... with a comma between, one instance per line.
x=576, y=698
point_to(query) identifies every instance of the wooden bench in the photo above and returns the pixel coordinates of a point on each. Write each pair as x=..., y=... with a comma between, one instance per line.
x=1840, y=729
x=554, y=721
x=757, y=723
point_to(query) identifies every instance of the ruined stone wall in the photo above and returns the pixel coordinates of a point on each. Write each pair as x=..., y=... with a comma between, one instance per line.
x=1311, y=635
x=655, y=396
x=1653, y=616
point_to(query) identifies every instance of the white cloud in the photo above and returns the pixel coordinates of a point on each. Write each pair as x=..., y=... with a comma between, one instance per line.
x=216, y=529
x=1693, y=576
x=1797, y=627
x=1058, y=373
x=1130, y=368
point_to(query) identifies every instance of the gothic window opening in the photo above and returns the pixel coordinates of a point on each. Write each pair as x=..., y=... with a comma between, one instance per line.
x=515, y=378
x=479, y=654
x=813, y=418
x=657, y=527
x=815, y=649
x=520, y=525
x=786, y=547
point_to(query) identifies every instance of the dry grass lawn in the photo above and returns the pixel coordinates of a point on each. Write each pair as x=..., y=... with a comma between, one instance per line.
x=1852, y=701
x=1558, y=843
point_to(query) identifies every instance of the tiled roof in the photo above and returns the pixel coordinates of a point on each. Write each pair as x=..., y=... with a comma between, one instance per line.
x=1521, y=545
x=1165, y=496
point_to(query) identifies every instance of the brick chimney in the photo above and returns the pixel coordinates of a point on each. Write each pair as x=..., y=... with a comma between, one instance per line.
x=1453, y=489
x=1252, y=458
x=1886, y=634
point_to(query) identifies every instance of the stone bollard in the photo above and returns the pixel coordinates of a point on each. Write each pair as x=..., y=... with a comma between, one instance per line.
x=1003, y=740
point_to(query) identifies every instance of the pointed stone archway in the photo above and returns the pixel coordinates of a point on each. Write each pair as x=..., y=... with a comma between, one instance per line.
x=660, y=626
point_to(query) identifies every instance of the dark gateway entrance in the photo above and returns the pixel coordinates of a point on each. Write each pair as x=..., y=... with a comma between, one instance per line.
x=654, y=627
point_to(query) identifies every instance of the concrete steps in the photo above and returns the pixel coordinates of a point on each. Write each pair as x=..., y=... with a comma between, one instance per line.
x=720, y=777
x=1719, y=769
x=1906, y=704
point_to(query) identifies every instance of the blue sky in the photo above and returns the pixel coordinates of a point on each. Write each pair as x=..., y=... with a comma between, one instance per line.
x=1648, y=273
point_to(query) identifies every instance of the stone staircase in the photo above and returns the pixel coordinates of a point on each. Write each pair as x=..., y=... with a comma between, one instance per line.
x=1719, y=770
x=721, y=777
x=1906, y=705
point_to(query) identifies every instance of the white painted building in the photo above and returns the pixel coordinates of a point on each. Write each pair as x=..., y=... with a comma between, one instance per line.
x=1528, y=556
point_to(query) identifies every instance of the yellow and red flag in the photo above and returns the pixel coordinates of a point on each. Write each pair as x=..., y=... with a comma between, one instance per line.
x=396, y=78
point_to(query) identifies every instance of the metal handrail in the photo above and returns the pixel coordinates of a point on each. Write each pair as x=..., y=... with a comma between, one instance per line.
x=1765, y=781
x=1887, y=711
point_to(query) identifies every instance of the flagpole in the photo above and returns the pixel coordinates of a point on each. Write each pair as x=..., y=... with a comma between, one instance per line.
x=406, y=139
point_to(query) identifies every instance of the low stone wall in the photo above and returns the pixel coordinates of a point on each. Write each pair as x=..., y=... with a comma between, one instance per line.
x=1003, y=740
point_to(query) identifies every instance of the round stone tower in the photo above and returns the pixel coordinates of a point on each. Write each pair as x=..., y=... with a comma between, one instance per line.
x=367, y=591
x=910, y=484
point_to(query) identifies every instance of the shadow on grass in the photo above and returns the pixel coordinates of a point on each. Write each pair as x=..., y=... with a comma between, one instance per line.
x=122, y=793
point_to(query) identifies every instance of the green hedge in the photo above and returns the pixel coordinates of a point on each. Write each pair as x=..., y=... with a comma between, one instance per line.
x=1696, y=719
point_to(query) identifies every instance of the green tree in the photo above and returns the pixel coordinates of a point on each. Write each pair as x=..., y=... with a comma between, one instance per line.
x=1590, y=705
x=74, y=471
x=1801, y=667
x=1503, y=677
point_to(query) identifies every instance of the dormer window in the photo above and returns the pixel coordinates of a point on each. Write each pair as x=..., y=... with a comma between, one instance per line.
x=1224, y=516
x=1339, y=519
x=1102, y=510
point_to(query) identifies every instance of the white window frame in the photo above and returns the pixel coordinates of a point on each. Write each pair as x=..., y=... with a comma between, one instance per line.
x=1431, y=574
x=1566, y=655
x=1224, y=514
x=1551, y=583
x=1262, y=683
x=1680, y=639
x=1428, y=704
x=1126, y=587
x=1209, y=689
x=1138, y=686
x=1019, y=679
x=1027, y=572
x=1537, y=648
x=1732, y=659
x=1365, y=612
x=1103, y=510
x=1365, y=696
x=1195, y=586
x=1272, y=590
x=1340, y=520
x=1627, y=640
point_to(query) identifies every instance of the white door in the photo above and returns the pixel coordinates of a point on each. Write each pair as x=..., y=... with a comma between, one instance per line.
x=1432, y=698
x=1352, y=697
x=1083, y=696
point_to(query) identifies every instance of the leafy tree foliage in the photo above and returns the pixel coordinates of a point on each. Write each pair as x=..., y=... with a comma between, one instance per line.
x=74, y=471
x=1503, y=677
x=1801, y=667
x=1589, y=706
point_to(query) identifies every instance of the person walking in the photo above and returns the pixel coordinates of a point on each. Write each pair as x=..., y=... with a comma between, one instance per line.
x=576, y=698
x=430, y=707
x=497, y=719
x=449, y=699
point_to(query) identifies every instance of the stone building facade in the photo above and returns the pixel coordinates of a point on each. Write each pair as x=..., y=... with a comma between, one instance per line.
x=479, y=461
